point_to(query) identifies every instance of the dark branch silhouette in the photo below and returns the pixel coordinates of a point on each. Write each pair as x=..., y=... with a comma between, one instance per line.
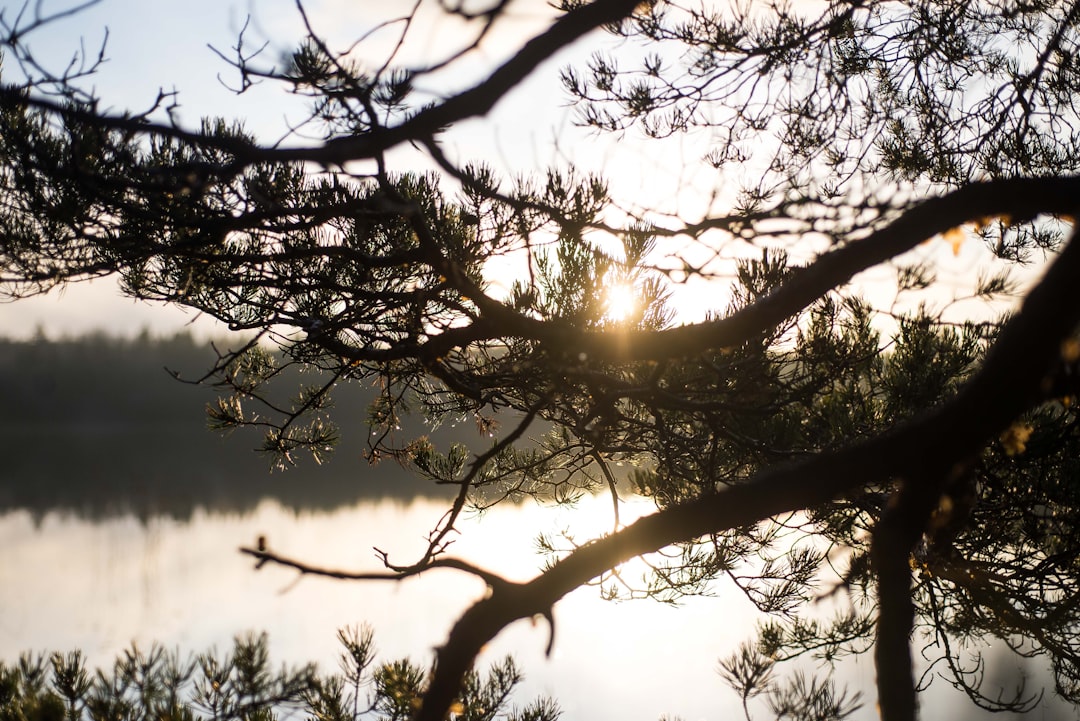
x=930, y=450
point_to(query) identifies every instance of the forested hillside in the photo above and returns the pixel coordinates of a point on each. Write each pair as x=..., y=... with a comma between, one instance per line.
x=101, y=380
x=99, y=425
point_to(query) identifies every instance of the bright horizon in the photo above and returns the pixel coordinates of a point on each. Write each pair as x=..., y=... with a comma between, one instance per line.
x=152, y=46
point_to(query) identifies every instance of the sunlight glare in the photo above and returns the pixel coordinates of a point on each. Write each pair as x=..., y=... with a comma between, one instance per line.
x=620, y=302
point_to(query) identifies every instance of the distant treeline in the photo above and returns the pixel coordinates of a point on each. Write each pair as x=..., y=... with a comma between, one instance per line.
x=101, y=379
x=98, y=426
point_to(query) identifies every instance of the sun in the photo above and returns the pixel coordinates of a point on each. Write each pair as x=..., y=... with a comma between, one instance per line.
x=620, y=302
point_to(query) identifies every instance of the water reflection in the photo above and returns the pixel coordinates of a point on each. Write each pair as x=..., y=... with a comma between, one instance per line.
x=100, y=472
x=67, y=582
x=120, y=517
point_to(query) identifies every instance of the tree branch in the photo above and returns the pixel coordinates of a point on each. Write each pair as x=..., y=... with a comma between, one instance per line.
x=264, y=556
x=1020, y=198
x=1010, y=381
x=474, y=102
x=895, y=536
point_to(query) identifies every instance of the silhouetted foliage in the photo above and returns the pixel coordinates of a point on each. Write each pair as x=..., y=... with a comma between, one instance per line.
x=242, y=684
x=912, y=458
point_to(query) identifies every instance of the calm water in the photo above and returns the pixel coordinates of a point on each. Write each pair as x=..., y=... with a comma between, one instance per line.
x=67, y=582
x=105, y=540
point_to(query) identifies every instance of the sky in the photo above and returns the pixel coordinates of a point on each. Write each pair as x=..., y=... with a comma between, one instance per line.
x=150, y=45
x=154, y=46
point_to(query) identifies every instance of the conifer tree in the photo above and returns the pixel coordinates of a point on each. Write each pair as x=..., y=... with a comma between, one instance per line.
x=803, y=440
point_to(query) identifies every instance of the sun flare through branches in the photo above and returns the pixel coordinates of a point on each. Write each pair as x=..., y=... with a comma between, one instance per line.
x=621, y=302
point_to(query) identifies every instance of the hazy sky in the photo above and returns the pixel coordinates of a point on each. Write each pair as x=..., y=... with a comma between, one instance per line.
x=157, y=45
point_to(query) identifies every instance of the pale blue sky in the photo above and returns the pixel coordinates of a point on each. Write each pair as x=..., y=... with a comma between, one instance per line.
x=154, y=44
x=158, y=45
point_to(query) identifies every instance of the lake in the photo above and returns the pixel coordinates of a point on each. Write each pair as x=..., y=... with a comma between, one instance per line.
x=100, y=551
x=120, y=519
x=67, y=582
